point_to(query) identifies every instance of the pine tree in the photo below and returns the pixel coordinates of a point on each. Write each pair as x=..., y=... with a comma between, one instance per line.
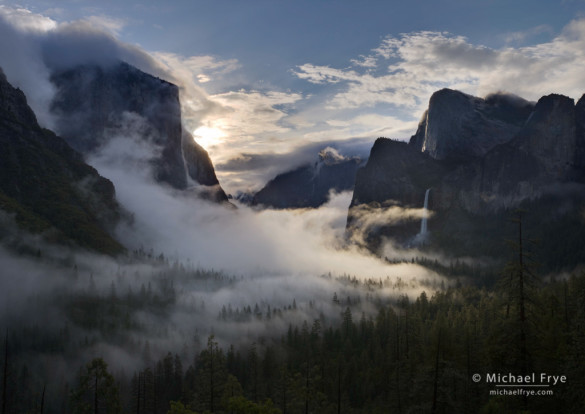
x=520, y=281
x=210, y=377
x=97, y=391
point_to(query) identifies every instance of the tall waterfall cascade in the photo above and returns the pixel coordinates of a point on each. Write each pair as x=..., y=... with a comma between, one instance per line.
x=425, y=216
x=421, y=236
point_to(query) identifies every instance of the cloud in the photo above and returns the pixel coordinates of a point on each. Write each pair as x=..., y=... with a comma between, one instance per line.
x=54, y=291
x=188, y=73
x=241, y=121
x=90, y=40
x=251, y=171
x=248, y=121
x=108, y=23
x=325, y=74
x=365, y=61
x=82, y=42
x=332, y=154
x=32, y=46
x=21, y=59
x=241, y=241
x=523, y=36
x=269, y=248
x=27, y=21
x=251, y=113
x=417, y=64
x=367, y=217
x=202, y=69
x=361, y=89
x=212, y=64
x=373, y=125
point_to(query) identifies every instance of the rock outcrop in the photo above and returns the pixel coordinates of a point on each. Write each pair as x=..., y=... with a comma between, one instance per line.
x=46, y=185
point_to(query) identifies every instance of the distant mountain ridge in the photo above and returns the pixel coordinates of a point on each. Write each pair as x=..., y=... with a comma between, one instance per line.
x=482, y=159
x=90, y=106
x=45, y=184
x=309, y=186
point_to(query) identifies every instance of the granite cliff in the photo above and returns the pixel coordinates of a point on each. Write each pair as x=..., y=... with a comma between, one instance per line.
x=93, y=103
x=457, y=126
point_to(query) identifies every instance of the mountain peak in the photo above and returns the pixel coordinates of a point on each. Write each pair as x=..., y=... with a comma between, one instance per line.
x=310, y=185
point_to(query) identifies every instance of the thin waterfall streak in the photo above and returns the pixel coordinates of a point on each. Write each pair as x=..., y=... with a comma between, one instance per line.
x=423, y=223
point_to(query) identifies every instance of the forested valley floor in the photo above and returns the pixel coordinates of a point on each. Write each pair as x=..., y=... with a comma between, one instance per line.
x=87, y=347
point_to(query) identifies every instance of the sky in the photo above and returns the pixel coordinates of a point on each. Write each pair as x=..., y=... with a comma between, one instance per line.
x=266, y=84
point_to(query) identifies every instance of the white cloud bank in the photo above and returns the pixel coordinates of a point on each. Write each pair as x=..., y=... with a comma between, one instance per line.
x=414, y=65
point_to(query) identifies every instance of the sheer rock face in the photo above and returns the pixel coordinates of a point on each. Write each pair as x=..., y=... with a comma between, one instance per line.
x=46, y=185
x=458, y=126
x=481, y=157
x=91, y=105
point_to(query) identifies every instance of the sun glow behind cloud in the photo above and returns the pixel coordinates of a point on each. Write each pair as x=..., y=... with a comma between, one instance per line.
x=208, y=137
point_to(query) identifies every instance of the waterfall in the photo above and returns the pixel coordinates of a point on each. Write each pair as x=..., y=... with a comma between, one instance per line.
x=421, y=237
x=423, y=223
